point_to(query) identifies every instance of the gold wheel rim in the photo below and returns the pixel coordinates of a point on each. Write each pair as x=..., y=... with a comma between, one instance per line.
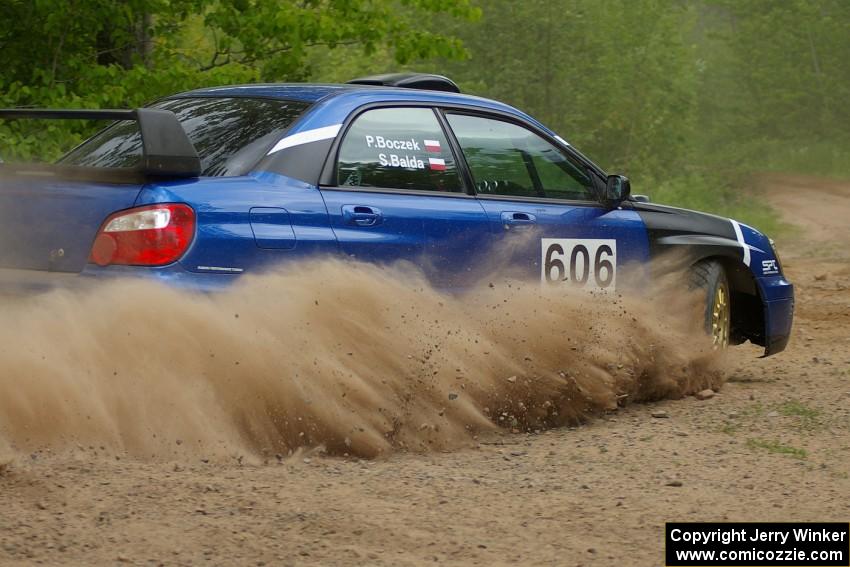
x=720, y=318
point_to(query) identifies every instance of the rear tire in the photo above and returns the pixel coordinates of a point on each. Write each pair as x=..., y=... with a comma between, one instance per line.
x=710, y=277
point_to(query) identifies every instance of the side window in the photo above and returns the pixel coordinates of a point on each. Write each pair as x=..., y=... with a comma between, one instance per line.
x=506, y=159
x=397, y=148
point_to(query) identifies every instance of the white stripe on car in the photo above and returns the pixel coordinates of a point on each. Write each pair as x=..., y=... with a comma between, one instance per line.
x=740, y=236
x=306, y=137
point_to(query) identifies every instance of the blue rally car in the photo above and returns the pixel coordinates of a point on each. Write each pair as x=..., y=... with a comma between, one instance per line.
x=205, y=185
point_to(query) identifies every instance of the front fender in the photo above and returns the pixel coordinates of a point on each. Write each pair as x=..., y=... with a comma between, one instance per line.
x=762, y=299
x=777, y=296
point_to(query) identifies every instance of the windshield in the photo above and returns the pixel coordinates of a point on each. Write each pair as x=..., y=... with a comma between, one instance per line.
x=230, y=134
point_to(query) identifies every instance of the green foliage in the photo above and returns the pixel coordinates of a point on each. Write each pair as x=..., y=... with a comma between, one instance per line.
x=615, y=78
x=276, y=36
x=687, y=98
x=618, y=79
x=784, y=68
x=104, y=53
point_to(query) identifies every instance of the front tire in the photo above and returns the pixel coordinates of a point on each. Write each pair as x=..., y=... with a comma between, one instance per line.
x=709, y=276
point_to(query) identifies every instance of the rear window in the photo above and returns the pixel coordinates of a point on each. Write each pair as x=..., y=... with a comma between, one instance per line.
x=230, y=134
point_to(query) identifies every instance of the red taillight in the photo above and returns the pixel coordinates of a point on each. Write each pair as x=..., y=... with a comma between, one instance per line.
x=153, y=235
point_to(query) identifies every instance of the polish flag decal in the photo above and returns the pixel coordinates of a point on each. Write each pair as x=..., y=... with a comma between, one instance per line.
x=437, y=164
x=433, y=146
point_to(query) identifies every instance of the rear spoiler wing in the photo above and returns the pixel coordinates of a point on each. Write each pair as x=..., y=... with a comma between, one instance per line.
x=166, y=149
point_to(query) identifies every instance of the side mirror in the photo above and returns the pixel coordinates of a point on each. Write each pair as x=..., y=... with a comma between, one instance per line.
x=617, y=189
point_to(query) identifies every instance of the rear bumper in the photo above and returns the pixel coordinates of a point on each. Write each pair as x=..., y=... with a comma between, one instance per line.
x=27, y=282
x=777, y=295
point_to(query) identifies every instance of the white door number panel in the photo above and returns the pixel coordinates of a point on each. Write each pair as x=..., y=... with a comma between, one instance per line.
x=590, y=263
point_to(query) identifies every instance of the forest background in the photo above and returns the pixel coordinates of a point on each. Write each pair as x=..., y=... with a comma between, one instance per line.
x=694, y=100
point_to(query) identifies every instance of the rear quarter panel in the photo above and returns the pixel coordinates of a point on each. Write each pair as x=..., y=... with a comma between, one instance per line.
x=227, y=243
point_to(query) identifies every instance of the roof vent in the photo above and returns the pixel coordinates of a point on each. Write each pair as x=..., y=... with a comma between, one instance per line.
x=422, y=81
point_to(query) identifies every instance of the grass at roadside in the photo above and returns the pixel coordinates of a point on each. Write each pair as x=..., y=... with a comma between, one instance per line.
x=822, y=158
x=777, y=447
x=714, y=194
x=805, y=419
x=719, y=178
x=799, y=409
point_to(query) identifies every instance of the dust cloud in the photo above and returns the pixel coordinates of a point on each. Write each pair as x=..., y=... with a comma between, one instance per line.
x=356, y=359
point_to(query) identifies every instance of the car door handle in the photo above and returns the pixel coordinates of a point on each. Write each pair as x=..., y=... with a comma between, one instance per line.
x=361, y=215
x=516, y=219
